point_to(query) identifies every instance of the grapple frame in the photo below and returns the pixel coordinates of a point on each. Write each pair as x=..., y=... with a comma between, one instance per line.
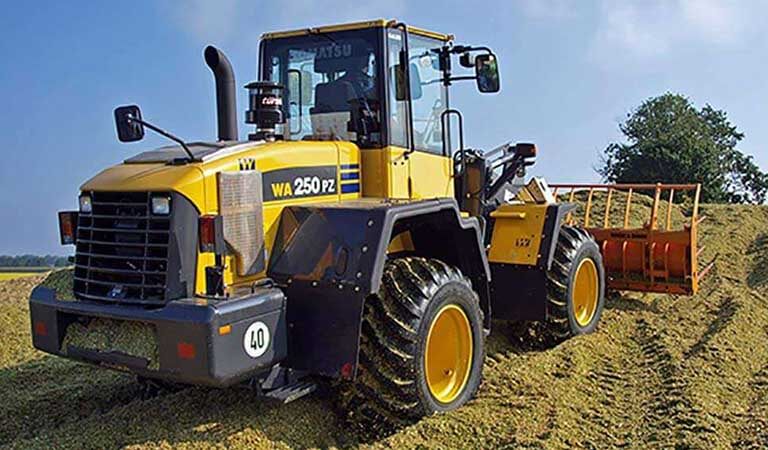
x=648, y=258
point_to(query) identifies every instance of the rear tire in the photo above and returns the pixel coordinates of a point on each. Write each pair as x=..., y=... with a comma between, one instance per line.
x=575, y=284
x=421, y=346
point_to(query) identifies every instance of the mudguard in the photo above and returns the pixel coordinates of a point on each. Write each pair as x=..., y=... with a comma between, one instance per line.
x=519, y=291
x=329, y=257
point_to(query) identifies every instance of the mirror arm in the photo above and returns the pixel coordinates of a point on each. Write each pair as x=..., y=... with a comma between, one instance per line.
x=467, y=77
x=162, y=132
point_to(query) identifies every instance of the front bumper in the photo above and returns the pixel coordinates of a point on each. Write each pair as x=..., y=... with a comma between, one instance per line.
x=199, y=341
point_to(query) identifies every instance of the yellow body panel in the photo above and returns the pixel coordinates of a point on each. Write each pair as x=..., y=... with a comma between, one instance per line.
x=431, y=175
x=198, y=183
x=517, y=233
x=187, y=179
x=387, y=172
x=379, y=23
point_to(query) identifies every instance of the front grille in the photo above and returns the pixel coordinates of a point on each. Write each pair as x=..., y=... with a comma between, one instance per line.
x=122, y=250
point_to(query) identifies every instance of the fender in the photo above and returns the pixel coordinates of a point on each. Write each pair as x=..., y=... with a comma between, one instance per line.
x=552, y=227
x=519, y=281
x=329, y=257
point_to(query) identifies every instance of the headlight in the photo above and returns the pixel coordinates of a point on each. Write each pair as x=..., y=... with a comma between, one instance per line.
x=161, y=206
x=85, y=204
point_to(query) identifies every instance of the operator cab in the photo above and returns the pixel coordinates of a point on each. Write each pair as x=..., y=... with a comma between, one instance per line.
x=381, y=85
x=348, y=83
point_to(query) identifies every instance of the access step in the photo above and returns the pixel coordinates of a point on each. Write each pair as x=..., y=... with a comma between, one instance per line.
x=292, y=391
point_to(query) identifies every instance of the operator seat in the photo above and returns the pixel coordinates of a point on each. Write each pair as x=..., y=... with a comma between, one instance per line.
x=331, y=114
x=332, y=97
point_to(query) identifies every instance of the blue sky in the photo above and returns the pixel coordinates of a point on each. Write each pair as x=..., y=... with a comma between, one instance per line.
x=570, y=71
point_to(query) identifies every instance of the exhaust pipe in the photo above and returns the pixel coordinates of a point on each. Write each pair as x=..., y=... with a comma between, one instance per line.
x=225, y=93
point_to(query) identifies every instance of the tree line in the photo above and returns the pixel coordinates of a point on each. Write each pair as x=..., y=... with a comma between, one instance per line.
x=669, y=140
x=33, y=261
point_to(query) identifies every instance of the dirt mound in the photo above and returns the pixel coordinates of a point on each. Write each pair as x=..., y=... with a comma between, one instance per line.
x=661, y=371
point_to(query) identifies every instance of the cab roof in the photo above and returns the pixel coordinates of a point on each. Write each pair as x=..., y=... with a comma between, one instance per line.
x=379, y=23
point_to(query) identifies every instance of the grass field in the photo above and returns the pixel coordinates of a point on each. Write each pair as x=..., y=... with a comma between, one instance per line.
x=11, y=275
x=660, y=372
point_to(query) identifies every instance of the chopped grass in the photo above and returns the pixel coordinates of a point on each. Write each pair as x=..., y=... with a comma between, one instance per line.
x=639, y=213
x=61, y=282
x=660, y=372
x=104, y=335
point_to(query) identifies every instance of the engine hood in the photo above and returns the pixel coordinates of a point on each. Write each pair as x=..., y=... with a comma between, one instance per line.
x=154, y=170
x=170, y=153
x=157, y=171
x=144, y=177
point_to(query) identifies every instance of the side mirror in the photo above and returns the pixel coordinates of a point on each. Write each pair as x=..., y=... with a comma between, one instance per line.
x=128, y=130
x=487, y=73
x=413, y=73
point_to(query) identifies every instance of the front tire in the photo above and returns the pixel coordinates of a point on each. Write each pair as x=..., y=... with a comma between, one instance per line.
x=575, y=284
x=422, y=344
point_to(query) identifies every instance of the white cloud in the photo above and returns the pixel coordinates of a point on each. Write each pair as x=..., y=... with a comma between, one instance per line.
x=209, y=20
x=228, y=20
x=715, y=20
x=639, y=31
x=548, y=9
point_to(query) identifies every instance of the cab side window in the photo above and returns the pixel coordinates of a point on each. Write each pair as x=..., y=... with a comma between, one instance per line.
x=398, y=106
x=430, y=97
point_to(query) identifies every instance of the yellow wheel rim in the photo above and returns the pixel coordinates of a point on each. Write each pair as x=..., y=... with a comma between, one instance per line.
x=585, y=292
x=448, y=356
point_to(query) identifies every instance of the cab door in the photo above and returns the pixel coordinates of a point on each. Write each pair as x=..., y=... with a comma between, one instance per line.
x=429, y=171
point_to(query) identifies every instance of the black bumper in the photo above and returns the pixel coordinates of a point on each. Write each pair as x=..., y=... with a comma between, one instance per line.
x=194, y=344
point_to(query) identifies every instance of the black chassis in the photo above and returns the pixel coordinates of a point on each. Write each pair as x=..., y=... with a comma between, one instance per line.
x=329, y=257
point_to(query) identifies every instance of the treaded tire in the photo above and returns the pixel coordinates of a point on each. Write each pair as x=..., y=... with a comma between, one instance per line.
x=391, y=388
x=573, y=246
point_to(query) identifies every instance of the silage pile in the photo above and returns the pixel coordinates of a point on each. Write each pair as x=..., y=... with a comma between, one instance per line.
x=639, y=212
x=660, y=372
x=61, y=282
x=105, y=335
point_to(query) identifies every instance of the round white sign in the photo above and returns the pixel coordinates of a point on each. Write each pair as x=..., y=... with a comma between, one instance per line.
x=256, y=339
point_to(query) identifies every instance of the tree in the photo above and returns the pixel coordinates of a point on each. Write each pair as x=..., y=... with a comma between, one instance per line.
x=33, y=261
x=670, y=141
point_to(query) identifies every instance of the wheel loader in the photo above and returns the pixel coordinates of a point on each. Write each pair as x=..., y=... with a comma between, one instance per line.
x=352, y=237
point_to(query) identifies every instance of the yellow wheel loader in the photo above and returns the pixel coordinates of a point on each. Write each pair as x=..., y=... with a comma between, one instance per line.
x=352, y=237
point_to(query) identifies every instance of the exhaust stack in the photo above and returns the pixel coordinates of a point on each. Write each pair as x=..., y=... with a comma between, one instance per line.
x=225, y=93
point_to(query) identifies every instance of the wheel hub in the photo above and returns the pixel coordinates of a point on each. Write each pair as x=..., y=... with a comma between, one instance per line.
x=448, y=355
x=585, y=292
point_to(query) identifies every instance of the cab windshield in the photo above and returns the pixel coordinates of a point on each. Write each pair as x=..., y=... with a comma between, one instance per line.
x=332, y=85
